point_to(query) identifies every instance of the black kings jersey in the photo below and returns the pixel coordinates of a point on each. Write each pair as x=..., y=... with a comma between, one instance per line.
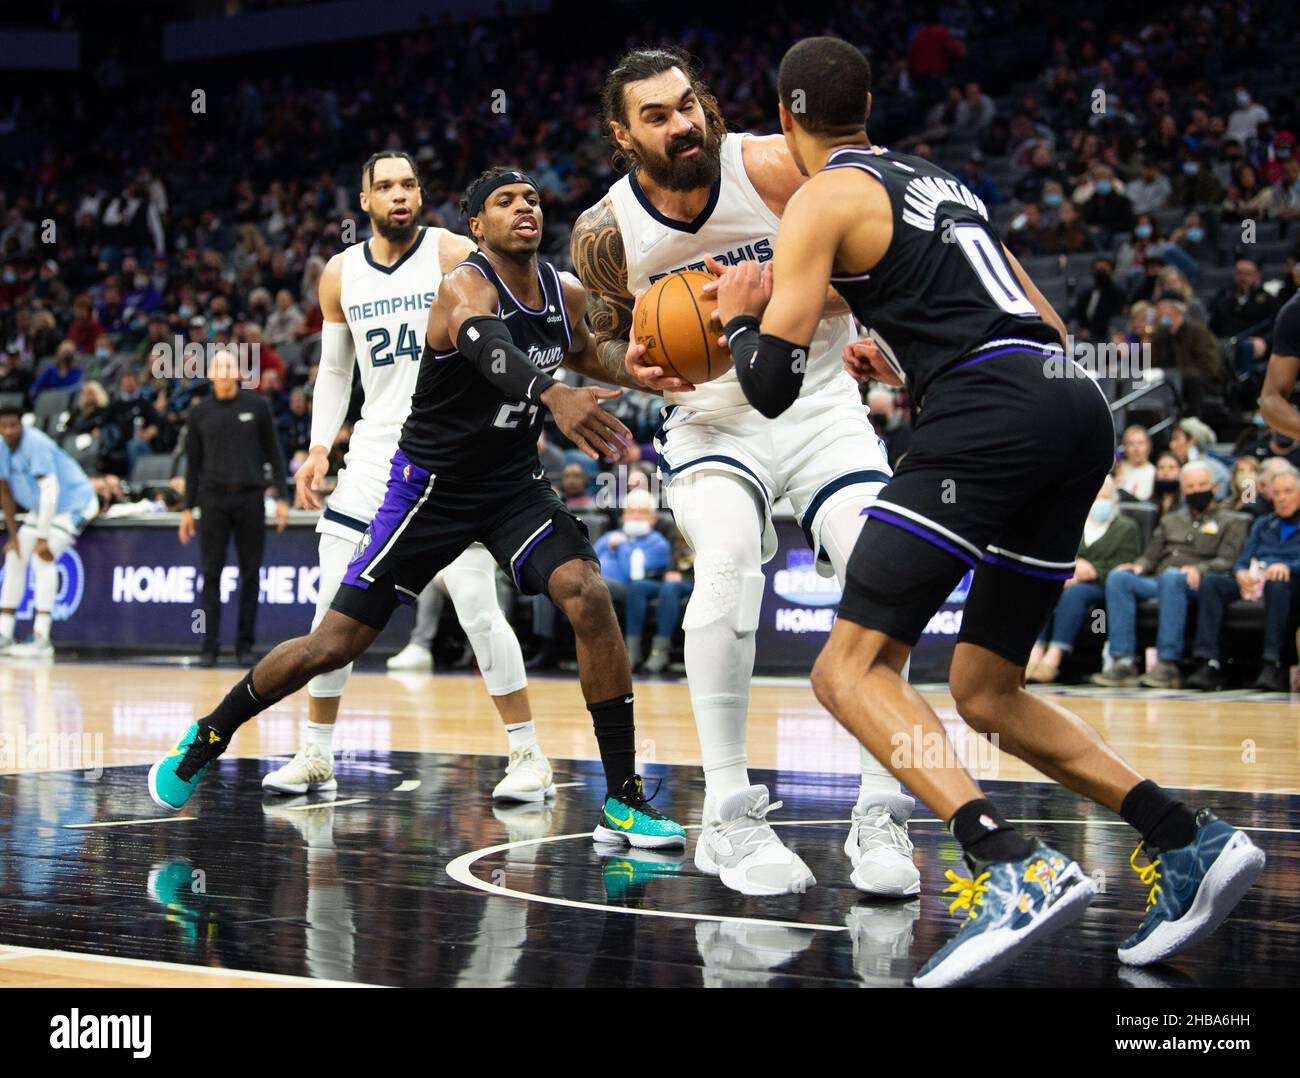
x=460, y=424
x=943, y=288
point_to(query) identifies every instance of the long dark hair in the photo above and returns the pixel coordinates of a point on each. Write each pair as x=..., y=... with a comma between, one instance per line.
x=644, y=64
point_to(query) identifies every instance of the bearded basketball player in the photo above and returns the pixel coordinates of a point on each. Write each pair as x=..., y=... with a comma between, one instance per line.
x=697, y=197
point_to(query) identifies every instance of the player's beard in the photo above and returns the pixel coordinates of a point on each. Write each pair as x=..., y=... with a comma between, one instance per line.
x=675, y=173
x=395, y=233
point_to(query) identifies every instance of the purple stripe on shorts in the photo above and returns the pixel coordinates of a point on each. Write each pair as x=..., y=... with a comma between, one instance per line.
x=519, y=561
x=406, y=483
x=1028, y=570
x=994, y=352
x=921, y=532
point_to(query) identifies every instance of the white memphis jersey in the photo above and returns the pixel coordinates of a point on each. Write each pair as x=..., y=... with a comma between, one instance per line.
x=387, y=310
x=735, y=224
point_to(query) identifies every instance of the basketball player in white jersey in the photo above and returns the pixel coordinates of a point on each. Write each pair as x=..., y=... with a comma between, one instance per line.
x=696, y=197
x=375, y=297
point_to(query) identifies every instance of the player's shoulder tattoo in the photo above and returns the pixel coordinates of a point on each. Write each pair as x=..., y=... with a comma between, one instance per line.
x=601, y=265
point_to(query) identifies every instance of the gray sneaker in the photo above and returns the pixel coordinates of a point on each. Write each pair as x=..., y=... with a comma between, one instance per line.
x=1166, y=675
x=740, y=847
x=1120, y=673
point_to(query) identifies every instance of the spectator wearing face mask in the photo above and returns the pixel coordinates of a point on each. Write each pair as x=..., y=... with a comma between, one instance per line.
x=1109, y=539
x=1267, y=570
x=1166, y=491
x=1195, y=183
x=1100, y=302
x=1244, y=120
x=633, y=553
x=1201, y=537
x=1105, y=206
x=1189, y=347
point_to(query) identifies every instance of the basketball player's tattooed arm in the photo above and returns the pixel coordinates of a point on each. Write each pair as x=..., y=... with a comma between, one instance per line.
x=333, y=386
x=467, y=306
x=596, y=248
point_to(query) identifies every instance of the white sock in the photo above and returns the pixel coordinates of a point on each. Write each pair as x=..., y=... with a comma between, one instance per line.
x=41, y=627
x=719, y=664
x=321, y=735
x=522, y=736
x=8, y=623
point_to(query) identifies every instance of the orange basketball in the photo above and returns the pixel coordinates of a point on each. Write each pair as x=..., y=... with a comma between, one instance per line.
x=672, y=321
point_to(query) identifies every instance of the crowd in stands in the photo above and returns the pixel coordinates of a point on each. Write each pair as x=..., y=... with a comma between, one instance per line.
x=1146, y=165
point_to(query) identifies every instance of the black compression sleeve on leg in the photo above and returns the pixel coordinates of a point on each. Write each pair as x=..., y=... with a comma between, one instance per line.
x=486, y=342
x=241, y=704
x=770, y=370
x=616, y=738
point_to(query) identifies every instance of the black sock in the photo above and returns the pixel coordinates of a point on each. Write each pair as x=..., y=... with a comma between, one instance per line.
x=241, y=704
x=985, y=836
x=1162, y=821
x=616, y=736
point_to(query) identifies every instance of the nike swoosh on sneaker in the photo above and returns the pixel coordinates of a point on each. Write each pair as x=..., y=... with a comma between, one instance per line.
x=624, y=824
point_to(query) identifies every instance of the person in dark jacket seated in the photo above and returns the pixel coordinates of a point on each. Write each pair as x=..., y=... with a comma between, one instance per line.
x=1200, y=538
x=1268, y=568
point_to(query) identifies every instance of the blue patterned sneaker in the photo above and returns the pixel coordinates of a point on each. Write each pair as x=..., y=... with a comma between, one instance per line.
x=1192, y=889
x=1009, y=904
x=630, y=818
x=173, y=778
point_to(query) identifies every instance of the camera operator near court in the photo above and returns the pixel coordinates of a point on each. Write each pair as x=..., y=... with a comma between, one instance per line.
x=230, y=446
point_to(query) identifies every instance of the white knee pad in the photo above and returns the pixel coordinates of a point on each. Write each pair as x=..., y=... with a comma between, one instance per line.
x=335, y=553
x=471, y=583
x=45, y=580
x=724, y=592
x=837, y=533
x=15, y=582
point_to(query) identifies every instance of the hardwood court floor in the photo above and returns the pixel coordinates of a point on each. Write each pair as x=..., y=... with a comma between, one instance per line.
x=412, y=876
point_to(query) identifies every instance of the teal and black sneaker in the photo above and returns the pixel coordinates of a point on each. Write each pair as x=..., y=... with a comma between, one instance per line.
x=1009, y=904
x=1192, y=889
x=630, y=818
x=173, y=778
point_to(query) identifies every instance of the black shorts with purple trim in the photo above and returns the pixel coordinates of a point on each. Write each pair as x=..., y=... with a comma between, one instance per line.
x=425, y=522
x=1009, y=452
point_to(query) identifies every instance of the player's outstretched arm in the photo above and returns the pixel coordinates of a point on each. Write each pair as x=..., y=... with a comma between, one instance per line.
x=333, y=385
x=596, y=248
x=469, y=304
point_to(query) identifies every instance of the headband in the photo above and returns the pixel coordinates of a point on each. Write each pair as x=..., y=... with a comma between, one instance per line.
x=481, y=191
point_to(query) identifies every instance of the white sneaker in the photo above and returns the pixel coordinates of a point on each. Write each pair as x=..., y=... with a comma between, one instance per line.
x=32, y=649
x=739, y=846
x=528, y=778
x=310, y=769
x=880, y=850
x=412, y=657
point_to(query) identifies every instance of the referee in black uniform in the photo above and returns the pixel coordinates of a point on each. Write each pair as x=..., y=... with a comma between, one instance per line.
x=231, y=441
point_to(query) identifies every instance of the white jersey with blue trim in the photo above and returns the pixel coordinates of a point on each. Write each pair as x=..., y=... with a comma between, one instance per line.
x=736, y=224
x=387, y=310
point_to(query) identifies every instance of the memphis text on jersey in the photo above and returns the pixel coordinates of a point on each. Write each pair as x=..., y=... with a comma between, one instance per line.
x=755, y=251
x=382, y=308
